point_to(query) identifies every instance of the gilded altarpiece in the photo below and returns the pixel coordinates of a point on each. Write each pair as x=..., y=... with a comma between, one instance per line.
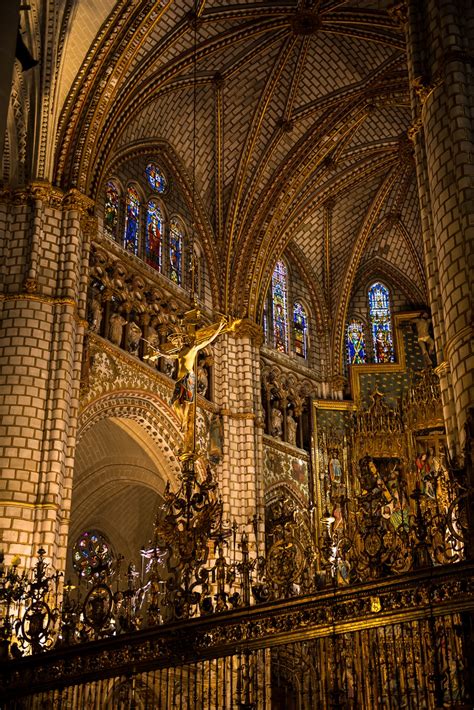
x=386, y=500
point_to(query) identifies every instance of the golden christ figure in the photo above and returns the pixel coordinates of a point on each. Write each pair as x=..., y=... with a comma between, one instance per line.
x=184, y=347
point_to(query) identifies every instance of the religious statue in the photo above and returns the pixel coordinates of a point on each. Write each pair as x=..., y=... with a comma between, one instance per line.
x=167, y=366
x=133, y=338
x=183, y=346
x=335, y=469
x=202, y=376
x=116, y=324
x=422, y=324
x=95, y=313
x=277, y=419
x=291, y=429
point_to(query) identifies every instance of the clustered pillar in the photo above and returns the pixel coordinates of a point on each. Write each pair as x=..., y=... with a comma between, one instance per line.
x=42, y=323
x=440, y=36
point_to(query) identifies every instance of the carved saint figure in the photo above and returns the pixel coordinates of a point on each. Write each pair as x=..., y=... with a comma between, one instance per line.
x=425, y=341
x=116, y=324
x=202, y=376
x=167, y=366
x=96, y=313
x=277, y=419
x=133, y=338
x=335, y=468
x=151, y=340
x=291, y=429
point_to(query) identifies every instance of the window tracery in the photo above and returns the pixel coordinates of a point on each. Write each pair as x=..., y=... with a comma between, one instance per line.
x=156, y=178
x=300, y=329
x=280, y=307
x=132, y=220
x=111, y=208
x=92, y=553
x=154, y=235
x=138, y=221
x=381, y=322
x=285, y=321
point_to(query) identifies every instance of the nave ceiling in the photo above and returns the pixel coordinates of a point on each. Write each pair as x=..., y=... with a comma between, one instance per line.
x=299, y=142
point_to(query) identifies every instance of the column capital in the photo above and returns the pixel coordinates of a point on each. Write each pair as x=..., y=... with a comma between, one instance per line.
x=248, y=328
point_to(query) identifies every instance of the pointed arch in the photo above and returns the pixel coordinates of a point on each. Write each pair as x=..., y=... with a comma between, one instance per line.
x=178, y=175
x=147, y=413
x=361, y=242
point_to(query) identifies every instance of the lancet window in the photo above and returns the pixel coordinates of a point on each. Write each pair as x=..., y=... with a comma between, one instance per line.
x=300, y=329
x=136, y=217
x=381, y=322
x=285, y=321
x=132, y=220
x=111, y=208
x=176, y=251
x=154, y=235
x=280, y=307
x=355, y=343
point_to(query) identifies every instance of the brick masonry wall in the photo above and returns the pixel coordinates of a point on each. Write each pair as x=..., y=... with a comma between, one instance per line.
x=41, y=333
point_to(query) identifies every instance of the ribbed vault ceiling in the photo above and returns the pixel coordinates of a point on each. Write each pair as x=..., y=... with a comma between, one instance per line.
x=296, y=103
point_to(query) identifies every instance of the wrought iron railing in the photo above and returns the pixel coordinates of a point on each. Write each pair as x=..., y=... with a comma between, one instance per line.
x=395, y=643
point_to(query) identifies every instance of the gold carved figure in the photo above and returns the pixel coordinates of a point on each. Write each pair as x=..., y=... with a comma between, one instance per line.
x=184, y=347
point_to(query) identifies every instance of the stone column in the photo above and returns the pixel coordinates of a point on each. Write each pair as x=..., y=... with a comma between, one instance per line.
x=440, y=37
x=41, y=336
x=238, y=394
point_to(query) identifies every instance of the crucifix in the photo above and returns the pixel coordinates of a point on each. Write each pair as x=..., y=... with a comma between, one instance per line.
x=184, y=346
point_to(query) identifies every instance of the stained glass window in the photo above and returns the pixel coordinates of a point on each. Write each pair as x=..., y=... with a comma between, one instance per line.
x=379, y=309
x=154, y=235
x=92, y=554
x=300, y=329
x=155, y=177
x=279, y=307
x=111, y=208
x=355, y=343
x=132, y=216
x=176, y=251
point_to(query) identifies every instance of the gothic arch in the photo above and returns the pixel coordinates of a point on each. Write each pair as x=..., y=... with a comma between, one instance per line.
x=177, y=174
x=125, y=456
x=148, y=411
x=361, y=242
